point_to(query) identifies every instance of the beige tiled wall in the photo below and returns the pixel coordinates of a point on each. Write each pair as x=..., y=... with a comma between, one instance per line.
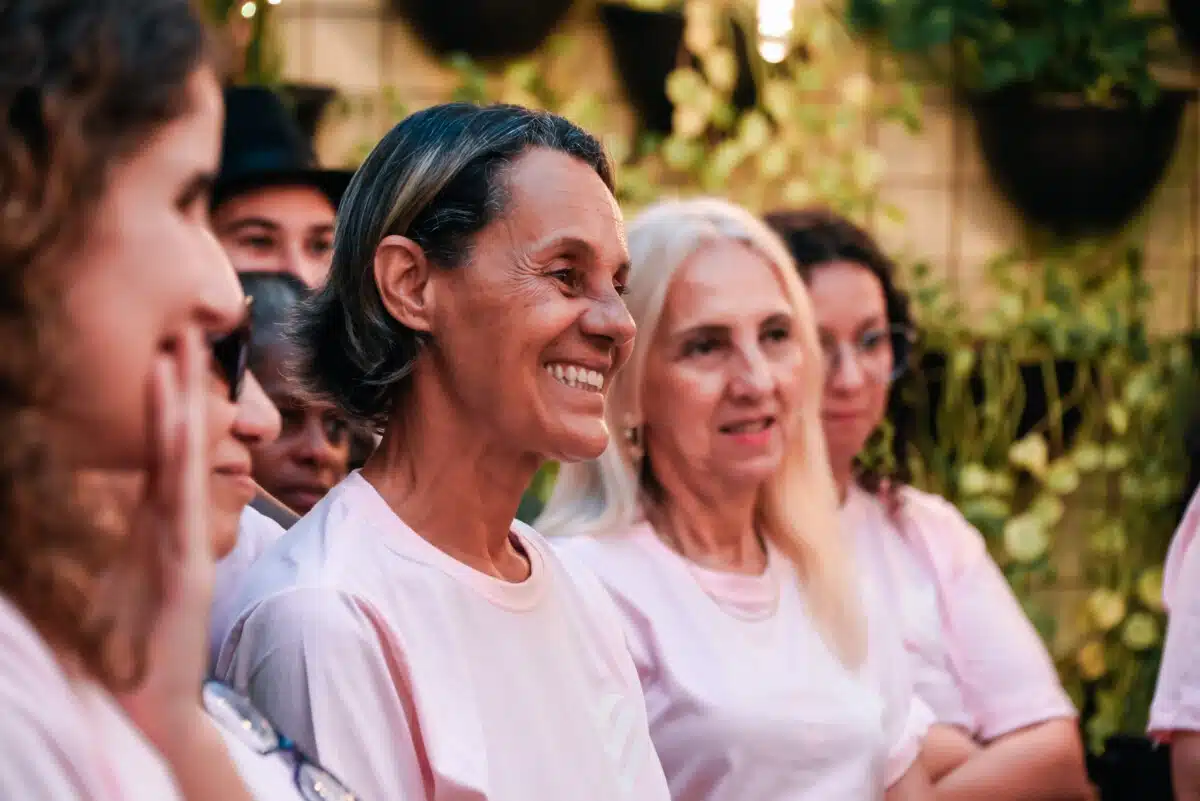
x=954, y=218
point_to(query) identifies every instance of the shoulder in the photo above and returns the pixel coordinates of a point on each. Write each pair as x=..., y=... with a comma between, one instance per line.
x=308, y=612
x=314, y=621
x=941, y=528
x=257, y=530
x=1181, y=550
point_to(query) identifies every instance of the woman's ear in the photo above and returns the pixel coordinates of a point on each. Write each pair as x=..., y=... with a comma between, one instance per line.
x=402, y=277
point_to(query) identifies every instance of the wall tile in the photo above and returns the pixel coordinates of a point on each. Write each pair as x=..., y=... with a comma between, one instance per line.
x=346, y=51
x=927, y=155
x=923, y=233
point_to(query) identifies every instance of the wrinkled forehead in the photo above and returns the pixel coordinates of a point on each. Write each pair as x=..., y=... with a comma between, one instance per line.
x=724, y=283
x=555, y=198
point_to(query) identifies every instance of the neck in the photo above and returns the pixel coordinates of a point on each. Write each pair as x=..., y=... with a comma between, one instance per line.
x=451, y=483
x=843, y=478
x=712, y=529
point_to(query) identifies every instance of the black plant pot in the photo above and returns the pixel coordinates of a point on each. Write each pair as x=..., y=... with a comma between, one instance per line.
x=1132, y=768
x=1072, y=168
x=1067, y=373
x=483, y=29
x=308, y=104
x=646, y=47
x=1186, y=14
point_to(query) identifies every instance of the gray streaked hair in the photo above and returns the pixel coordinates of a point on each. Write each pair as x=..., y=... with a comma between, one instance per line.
x=437, y=178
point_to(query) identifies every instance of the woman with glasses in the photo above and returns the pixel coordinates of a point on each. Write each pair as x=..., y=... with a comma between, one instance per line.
x=1005, y=727
x=769, y=672
x=124, y=432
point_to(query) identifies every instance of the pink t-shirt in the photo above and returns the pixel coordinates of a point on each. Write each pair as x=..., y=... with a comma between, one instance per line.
x=745, y=700
x=412, y=676
x=1176, y=705
x=256, y=533
x=63, y=739
x=976, y=660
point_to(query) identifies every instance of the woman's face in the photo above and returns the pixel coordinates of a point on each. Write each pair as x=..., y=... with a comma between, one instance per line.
x=527, y=336
x=312, y=452
x=231, y=485
x=149, y=266
x=114, y=494
x=852, y=322
x=722, y=377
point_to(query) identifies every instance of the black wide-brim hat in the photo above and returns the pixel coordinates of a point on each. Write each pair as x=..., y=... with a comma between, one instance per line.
x=263, y=146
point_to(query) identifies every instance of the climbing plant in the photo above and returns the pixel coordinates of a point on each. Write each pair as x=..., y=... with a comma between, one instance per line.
x=1055, y=424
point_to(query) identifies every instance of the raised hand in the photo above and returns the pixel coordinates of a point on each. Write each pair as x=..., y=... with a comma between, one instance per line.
x=170, y=538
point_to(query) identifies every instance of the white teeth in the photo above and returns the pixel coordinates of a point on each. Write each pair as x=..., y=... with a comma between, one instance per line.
x=576, y=377
x=748, y=427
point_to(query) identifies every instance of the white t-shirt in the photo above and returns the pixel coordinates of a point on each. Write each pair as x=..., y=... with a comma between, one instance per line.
x=256, y=533
x=745, y=700
x=63, y=739
x=412, y=676
x=885, y=559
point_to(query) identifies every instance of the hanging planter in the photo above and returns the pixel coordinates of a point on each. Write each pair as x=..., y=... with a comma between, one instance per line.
x=483, y=29
x=308, y=103
x=1186, y=15
x=1072, y=167
x=647, y=46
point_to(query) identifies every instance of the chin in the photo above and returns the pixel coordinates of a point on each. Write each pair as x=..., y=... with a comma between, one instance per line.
x=579, y=443
x=225, y=533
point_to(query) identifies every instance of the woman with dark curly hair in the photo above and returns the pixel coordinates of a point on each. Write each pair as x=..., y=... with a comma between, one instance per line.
x=110, y=283
x=1006, y=728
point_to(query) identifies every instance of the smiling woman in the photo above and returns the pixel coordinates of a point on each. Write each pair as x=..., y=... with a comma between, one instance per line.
x=409, y=634
x=713, y=522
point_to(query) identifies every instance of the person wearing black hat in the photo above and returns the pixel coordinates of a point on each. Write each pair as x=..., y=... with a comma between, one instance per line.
x=273, y=206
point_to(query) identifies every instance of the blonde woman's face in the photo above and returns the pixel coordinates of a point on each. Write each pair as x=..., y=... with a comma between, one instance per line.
x=722, y=376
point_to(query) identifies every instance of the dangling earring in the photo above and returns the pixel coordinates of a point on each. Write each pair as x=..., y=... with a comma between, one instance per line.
x=633, y=440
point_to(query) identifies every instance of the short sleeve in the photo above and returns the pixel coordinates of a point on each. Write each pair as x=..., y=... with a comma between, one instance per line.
x=314, y=661
x=1176, y=705
x=1004, y=670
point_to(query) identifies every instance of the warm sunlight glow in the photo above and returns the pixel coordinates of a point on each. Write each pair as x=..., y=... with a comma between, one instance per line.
x=775, y=28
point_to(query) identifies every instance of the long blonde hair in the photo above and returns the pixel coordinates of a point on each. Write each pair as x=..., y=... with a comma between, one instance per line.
x=797, y=509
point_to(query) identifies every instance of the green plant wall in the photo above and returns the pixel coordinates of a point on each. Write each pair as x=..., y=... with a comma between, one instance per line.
x=1078, y=510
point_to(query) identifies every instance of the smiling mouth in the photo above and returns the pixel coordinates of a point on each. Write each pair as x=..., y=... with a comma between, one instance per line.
x=748, y=426
x=576, y=377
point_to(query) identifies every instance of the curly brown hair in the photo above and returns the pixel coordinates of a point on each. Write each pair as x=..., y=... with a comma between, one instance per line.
x=816, y=237
x=83, y=85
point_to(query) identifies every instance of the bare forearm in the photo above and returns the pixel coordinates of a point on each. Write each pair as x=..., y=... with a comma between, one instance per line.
x=945, y=749
x=1185, y=765
x=913, y=786
x=1041, y=763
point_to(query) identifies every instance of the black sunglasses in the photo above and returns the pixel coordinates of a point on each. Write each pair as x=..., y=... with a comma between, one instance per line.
x=231, y=355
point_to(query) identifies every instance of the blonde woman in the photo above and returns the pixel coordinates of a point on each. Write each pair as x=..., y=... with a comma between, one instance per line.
x=713, y=522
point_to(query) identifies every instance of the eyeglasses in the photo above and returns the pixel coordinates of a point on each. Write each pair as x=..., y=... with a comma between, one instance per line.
x=236, y=713
x=881, y=353
x=231, y=355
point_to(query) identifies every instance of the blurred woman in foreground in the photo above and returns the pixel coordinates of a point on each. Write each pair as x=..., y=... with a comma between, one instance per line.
x=121, y=367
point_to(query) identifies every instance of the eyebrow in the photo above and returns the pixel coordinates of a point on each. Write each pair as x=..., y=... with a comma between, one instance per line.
x=250, y=222
x=572, y=241
x=721, y=329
